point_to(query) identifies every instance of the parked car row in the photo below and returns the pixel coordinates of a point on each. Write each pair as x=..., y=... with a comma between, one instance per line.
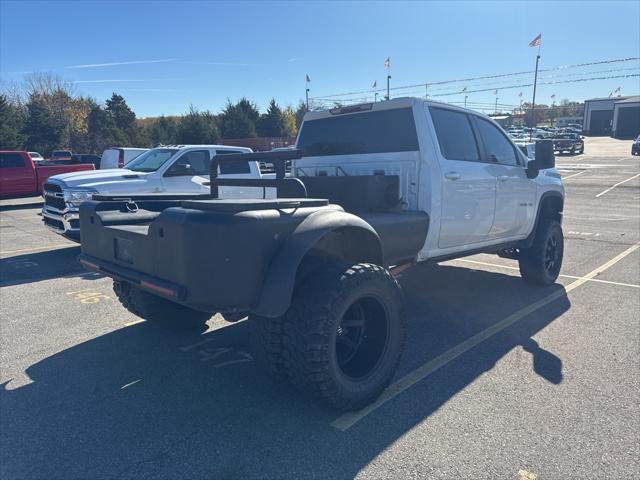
x=166, y=170
x=565, y=139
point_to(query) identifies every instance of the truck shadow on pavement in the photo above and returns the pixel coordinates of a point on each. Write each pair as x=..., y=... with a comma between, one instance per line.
x=143, y=403
x=35, y=267
x=4, y=207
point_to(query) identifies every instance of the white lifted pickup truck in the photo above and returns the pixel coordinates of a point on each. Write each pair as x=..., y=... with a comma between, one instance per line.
x=374, y=189
x=168, y=170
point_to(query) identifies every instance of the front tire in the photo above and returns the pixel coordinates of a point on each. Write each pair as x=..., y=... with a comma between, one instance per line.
x=540, y=264
x=164, y=313
x=344, y=334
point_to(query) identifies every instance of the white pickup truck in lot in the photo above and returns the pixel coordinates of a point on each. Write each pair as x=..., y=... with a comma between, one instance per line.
x=374, y=188
x=180, y=169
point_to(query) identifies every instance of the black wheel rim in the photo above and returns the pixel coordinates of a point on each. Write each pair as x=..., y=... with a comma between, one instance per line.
x=361, y=337
x=552, y=255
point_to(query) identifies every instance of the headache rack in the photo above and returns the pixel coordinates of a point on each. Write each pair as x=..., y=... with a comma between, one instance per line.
x=286, y=187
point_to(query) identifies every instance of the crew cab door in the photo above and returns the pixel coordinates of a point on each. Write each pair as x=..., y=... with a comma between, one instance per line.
x=16, y=176
x=188, y=173
x=515, y=193
x=468, y=185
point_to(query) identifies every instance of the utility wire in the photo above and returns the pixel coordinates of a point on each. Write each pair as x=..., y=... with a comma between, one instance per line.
x=478, y=90
x=484, y=77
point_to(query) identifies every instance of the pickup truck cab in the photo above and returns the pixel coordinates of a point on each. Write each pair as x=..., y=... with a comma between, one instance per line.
x=21, y=176
x=375, y=188
x=60, y=156
x=173, y=169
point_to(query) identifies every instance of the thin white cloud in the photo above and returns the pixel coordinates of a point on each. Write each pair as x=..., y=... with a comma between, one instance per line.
x=114, y=64
x=292, y=60
x=127, y=80
x=225, y=64
x=149, y=90
x=112, y=80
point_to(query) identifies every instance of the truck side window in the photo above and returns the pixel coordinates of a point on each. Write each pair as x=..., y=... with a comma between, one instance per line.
x=455, y=135
x=199, y=161
x=11, y=160
x=235, y=167
x=499, y=149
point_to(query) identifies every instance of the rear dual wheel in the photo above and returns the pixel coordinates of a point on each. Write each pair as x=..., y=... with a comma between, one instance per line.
x=344, y=333
x=159, y=311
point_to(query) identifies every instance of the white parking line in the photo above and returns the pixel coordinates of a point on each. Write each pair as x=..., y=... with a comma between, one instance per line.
x=619, y=183
x=573, y=277
x=574, y=175
x=347, y=420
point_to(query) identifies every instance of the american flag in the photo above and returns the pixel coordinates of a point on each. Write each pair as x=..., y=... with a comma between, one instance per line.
x=520, y=94
x=307, y=79
x=464, y=89
x=553, y=96
x=495, y=92
x=375, y=84
x=387, y=63
x=536, y=41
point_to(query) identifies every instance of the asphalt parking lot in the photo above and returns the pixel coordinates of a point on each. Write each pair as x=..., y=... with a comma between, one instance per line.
x=499, y=379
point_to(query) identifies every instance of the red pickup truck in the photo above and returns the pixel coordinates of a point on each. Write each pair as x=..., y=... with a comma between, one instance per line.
x=20, y=176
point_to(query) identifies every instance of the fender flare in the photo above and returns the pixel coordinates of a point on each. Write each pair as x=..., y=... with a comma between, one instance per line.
x=527, y=242
x=279, y=280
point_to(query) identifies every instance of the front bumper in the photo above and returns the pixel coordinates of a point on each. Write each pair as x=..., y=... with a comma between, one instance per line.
x=64, y=222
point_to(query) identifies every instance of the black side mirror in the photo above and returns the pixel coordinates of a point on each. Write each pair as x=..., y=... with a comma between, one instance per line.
x=545, y=158
x=179, y=170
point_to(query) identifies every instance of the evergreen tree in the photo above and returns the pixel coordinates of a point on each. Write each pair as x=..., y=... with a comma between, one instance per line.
x=164, y=131
x=300, y=111
x=102, y=130
x=124, y=119
x=11, y=123
x=198, y=128
x=43, y=131
x=271, y=124
x=239, y=120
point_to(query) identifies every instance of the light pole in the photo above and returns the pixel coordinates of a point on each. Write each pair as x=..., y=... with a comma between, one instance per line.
x=388, y=79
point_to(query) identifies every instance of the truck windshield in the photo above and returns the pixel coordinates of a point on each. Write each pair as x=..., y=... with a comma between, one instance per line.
x=372, y=132
x=151, y=160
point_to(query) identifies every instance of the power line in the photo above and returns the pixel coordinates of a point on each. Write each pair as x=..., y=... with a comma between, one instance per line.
x=479, y=90
x=484, y=77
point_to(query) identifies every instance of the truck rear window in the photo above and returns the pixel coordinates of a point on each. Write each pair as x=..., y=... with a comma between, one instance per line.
x=11, y=160
x=372, y=132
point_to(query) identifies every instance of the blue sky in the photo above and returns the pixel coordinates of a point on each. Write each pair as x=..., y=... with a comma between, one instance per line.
x=202, y=53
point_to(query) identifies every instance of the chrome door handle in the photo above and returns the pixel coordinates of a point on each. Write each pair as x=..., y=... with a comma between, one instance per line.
x=503, y=178
x=452, y=176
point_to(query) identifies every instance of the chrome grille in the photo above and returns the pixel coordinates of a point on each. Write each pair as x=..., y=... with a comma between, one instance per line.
x=53, y=196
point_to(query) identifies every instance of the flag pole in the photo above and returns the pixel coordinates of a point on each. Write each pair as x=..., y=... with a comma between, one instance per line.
x=533, y=102
x=388, y=65
x=307, y=94
x=388, y=79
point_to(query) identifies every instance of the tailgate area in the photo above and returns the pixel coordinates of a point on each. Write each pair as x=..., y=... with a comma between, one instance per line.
x=211, y=253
